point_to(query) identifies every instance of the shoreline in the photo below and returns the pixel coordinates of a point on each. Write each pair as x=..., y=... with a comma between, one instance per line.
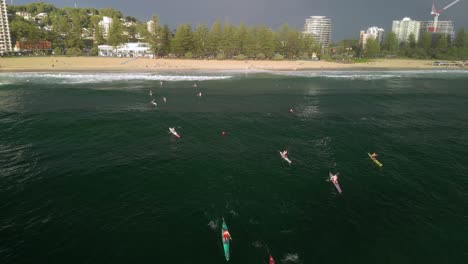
x=109, y=64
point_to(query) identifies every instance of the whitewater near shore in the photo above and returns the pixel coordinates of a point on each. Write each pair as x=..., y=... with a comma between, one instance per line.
x=145, y=64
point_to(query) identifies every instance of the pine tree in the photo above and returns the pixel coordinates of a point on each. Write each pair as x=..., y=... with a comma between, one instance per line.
x=215, y=38
x=200, y=40
x=372, y=48
x=116, y=36
x=183, y=40
x=165, y=40
x=154, y=35
x=391, y=43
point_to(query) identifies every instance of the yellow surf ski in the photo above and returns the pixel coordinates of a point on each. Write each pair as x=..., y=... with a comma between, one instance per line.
x=375, y=160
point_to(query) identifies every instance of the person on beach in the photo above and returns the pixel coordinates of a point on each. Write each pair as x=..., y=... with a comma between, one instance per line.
x=373, y=156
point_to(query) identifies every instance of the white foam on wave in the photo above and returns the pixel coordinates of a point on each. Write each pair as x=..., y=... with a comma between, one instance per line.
x=374, y=75
x=291, y=258
x=109, y=77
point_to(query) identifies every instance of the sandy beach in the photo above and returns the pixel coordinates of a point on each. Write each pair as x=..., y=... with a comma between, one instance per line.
x=145, y=64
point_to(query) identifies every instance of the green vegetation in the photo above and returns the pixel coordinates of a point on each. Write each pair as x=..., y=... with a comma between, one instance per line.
x=79, y=29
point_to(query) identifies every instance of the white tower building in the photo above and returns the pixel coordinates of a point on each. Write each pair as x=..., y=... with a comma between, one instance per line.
x=105, y=24
x=372, y=32
x=406, y=27
x=320, y=28
x=5, y=38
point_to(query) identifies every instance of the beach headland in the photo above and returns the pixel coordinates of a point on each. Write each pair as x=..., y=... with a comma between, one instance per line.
x=19, y=64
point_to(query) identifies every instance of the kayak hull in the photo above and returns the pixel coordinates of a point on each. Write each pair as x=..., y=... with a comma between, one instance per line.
x=337, y=185
x=173, y=132
x=375, y=160
x=225, y=242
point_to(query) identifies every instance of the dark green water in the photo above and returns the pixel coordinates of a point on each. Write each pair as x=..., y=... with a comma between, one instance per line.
x=89, y=173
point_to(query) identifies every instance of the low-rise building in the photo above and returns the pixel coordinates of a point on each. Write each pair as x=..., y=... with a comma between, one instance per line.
x=25, y=15
x=29, y=45
x=41, y=15
x=131, y=49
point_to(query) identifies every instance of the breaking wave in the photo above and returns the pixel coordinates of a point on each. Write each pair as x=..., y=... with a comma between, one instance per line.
x=375, y=75
x=106, y=77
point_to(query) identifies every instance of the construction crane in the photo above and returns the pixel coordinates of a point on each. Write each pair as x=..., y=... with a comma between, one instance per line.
x=436, y=14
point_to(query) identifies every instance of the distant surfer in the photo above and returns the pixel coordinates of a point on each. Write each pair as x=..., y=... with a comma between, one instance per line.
x=154, y=103
x=373, y=156
x=164, y=100
x=334, y=179
x=174, y=132
x=284, y=155
x=291, y=110
x=161, y=83
x=272, y=261
x=194, y=85
x=151, y=93
x=199, y=94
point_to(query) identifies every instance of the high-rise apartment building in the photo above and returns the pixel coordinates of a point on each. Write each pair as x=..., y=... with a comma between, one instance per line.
x=373, y=33
x=320, y=28
x=404, y=28
x=5, y=38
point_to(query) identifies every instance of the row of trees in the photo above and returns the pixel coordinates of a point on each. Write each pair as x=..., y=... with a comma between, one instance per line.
x=429, y=46
x=78, y=28
x=224, y=40
x=67, y=28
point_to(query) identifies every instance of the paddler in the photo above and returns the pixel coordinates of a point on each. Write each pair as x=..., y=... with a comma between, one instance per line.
x=334, y=179
x=373, y=156
x=226, y=235
x=284, y=153
x=272, y=261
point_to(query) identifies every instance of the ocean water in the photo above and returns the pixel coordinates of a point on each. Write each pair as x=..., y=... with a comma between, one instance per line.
x=90, y=174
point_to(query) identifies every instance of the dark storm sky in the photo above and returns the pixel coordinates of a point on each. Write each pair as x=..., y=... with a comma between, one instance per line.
x=348, y=16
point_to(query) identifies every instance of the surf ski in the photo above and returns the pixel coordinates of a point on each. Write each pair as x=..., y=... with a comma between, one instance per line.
x=226, y=239
x=284, y=155
x=375, y=160
x=173, y=132
x=335, y=182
